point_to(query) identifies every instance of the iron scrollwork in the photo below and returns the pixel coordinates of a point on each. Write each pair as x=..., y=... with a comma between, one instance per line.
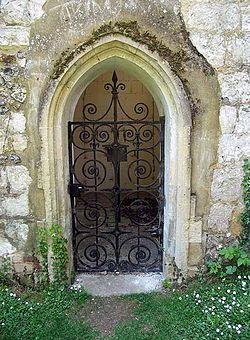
x=116, y=187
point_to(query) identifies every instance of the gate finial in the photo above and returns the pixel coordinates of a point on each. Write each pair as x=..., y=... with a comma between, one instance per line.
x=114, y=78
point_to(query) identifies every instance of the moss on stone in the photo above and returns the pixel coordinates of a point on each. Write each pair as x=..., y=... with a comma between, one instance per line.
x=132, y=30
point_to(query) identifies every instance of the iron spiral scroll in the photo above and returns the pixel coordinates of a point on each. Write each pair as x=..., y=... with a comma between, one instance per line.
x=116, y=187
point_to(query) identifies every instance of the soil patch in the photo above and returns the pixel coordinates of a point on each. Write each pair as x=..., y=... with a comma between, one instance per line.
x=103, y=314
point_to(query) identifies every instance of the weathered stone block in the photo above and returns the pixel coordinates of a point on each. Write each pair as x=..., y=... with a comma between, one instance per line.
x=35, y=8
x=195, y=231
x=21, y=11
x=226, y=186
x=19, y=142
x=234, y=147
x=236, y=227
x=14, y=36
x=246, y=18
x=228, y=116
x=213, y=16
x=5, y=247
x=18, y=178
x=238, y=50
x=235, y=87
x=219, y=217
x=15, y=206
x=195, y=254
x=212, y=46
x=243, y=123
x=17, y=122
x=3, y=181
x=18, y=232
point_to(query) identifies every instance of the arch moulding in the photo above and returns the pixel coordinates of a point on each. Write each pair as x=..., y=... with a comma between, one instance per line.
x=111, y=52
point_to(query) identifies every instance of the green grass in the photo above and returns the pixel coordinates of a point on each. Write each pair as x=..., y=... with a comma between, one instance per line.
x=43, y=315
x=204, y=311
x=211, y=311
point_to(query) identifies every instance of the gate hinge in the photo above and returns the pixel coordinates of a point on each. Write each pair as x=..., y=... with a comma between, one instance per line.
x=74, y=190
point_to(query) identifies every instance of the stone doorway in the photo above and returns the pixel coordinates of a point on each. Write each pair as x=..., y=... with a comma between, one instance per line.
x=116, y=153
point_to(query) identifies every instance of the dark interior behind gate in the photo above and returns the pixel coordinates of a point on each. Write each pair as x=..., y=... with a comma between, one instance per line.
x=116, y=187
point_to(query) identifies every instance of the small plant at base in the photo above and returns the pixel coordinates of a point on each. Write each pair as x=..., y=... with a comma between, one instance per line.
x=5, y=269
x=59, y=254
x=167, y=284
x=245, y=216
x=232, y=260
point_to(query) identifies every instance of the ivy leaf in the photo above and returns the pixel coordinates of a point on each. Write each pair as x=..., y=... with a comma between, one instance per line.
x=231, y=270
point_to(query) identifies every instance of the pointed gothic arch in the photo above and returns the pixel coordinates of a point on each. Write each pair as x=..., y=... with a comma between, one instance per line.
x=171, y=101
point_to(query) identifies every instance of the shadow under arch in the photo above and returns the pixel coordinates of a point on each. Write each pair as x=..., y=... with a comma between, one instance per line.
x=169, y=95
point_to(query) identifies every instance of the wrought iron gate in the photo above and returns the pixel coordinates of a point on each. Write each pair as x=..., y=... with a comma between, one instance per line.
x=116, y=187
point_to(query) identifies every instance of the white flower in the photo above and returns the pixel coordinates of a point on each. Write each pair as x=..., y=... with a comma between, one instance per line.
x=2, y=323
x=243, y=283
x=242, y=311
x=26, y=303
x=234, y=292
x=3, y=303
x=238, y=331
x=197, y=295
x=180, y=298
x=217, y=330
x=224, y=298
x=212, y=298
x=228, y=291
x=229, y=326
x=219, y=288
x=239, y=277
x=239, y=326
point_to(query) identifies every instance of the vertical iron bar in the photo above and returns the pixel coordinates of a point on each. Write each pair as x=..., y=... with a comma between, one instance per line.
x=72, y=199
x=116, y=169
x=95, y=186
x=137, y=187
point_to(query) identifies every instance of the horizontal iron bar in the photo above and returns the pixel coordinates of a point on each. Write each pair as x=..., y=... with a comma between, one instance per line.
x=130, y=122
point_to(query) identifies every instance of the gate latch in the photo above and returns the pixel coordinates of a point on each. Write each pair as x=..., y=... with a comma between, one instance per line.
x=74, y=190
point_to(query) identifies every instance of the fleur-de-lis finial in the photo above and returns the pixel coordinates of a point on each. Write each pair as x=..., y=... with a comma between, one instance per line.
x=114, y=78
